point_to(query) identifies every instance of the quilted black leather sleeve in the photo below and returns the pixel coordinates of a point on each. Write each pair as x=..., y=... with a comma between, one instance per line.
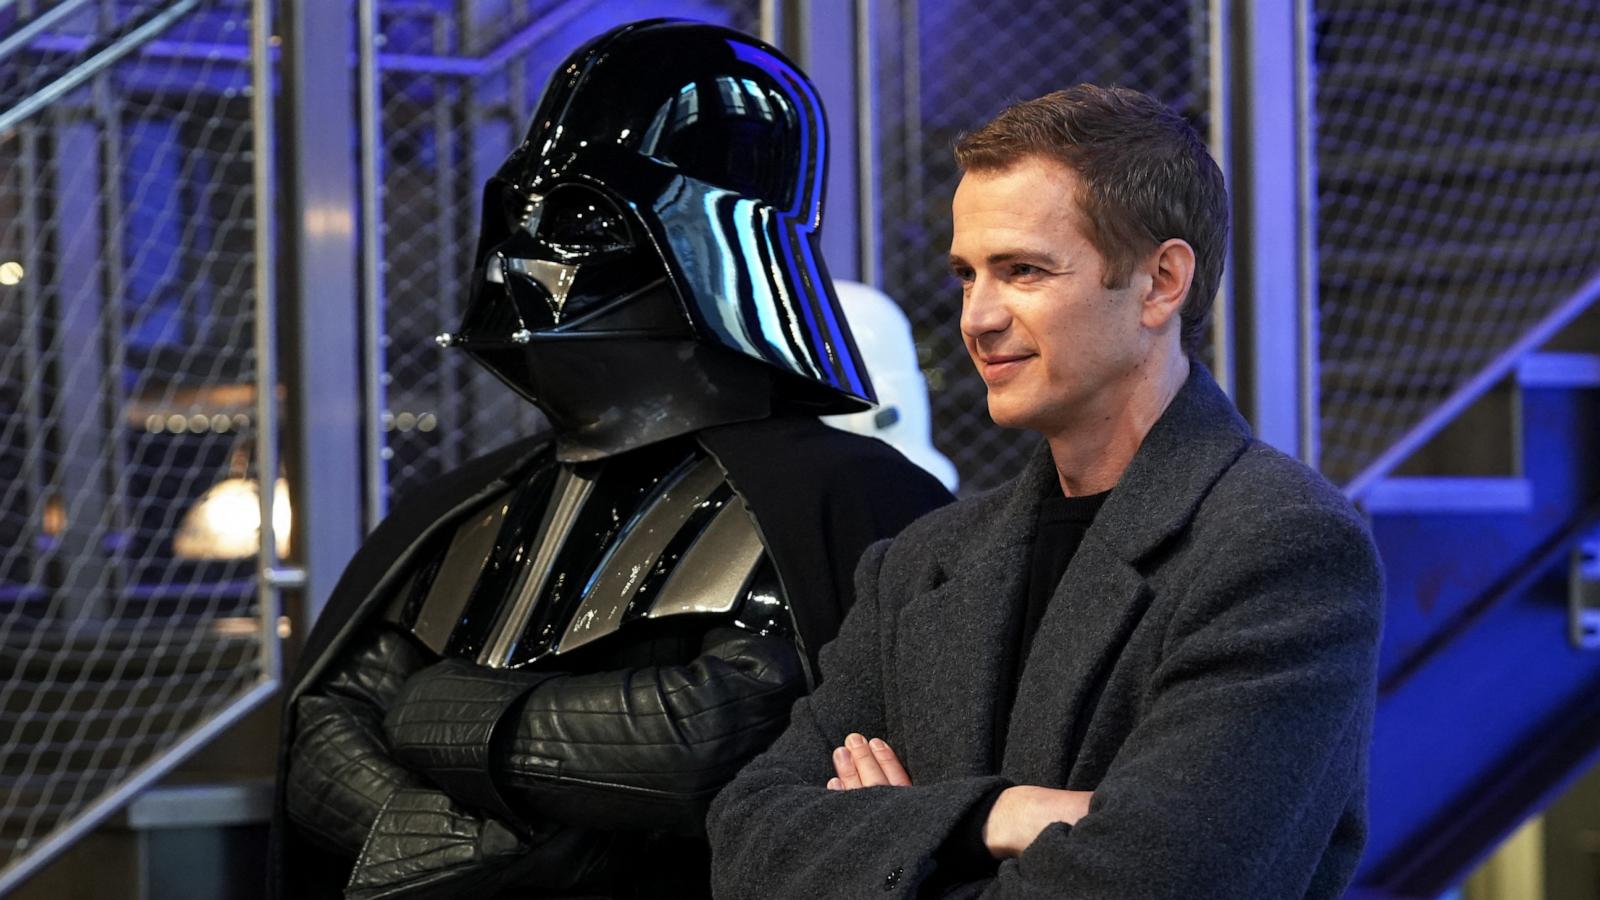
x=647, y=748
x=340, y=771
x=445, y=721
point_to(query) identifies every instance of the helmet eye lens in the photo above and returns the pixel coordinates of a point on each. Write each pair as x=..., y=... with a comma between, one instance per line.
x=568, y=252
x=576, y=223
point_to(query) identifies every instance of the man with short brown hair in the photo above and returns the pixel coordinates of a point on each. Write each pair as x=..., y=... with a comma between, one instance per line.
x=1145, y=667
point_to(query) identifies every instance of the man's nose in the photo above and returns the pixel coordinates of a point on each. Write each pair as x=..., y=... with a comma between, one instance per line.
x=983, y=310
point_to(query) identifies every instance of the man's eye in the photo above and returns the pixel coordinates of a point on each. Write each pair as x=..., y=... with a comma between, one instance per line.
x=962, y=275
x=1024, y=270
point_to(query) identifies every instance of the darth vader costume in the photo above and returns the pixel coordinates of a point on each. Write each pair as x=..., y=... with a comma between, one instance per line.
x=533, y=677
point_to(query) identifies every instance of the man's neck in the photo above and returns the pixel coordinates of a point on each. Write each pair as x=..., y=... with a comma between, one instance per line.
x=1091, y=455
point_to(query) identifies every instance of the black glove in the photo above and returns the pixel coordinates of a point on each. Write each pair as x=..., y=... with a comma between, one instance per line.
x=423, y=846
x=444, y=724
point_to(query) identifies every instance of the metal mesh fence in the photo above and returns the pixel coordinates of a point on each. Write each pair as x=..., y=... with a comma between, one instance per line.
x=1458, y=155
x=458, y=85
x=126, y=391
x=947, y=67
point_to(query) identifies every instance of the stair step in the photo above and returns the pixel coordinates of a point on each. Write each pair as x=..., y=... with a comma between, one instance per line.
x=1559, y=370
x=1450, y=495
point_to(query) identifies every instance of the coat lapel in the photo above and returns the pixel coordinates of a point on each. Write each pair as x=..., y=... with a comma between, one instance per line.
x=953, y=638
x=1103, y=595
x=1095, y=608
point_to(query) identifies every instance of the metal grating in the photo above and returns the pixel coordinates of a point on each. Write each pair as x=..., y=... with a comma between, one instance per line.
x=127, y=273
x=946, y=67
x=1458, y=189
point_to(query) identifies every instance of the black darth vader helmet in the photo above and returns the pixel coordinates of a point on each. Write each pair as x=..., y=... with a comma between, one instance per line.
x=649, y=253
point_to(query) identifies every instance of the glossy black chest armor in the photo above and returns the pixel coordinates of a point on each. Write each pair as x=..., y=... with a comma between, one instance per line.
x=572, y=555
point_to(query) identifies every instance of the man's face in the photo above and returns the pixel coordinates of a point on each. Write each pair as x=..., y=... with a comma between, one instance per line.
x=1057, y=349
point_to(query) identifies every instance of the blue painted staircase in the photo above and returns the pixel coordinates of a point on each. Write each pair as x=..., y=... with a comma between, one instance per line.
x=1489, y=682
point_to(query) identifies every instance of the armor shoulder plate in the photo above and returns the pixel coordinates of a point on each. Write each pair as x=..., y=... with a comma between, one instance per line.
x=579, y=552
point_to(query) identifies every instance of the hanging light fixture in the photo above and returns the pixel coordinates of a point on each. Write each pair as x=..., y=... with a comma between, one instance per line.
x=226, y=523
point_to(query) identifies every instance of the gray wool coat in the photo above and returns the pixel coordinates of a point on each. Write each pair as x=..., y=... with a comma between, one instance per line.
x=1206, y=667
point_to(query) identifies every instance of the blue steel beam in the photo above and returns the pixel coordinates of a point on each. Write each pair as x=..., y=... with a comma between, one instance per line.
x=1274, y=275
x=321, y=331
x=825, y=46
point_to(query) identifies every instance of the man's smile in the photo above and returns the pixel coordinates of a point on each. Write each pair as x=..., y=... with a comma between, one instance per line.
x=996, y=367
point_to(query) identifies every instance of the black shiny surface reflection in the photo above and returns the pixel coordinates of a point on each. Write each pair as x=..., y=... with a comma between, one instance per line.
x=678, y=154
x=624, y=491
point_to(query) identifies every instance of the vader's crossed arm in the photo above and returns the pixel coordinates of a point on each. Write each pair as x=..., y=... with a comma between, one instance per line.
x=456, y=766
x=644, y=747
x=597, y=749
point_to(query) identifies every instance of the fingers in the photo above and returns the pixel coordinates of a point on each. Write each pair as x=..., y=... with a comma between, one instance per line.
x=889, y=763
x=866, y=763
x=844, y=765
x=863, y=763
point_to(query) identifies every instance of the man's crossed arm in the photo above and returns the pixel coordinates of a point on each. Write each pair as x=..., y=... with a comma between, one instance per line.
x=1017, y=817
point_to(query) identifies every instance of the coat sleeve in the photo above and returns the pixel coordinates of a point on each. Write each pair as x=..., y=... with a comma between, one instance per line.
x=1252, y=742
x=777, y=832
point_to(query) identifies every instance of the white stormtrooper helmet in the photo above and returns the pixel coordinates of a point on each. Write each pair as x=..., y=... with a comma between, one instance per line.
x=883, y=335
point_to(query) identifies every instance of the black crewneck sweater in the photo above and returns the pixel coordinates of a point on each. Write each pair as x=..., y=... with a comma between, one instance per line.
x=1062, y=523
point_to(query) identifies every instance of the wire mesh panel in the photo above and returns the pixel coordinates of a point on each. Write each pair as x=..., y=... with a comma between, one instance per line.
x=128, y=595
x=458, y=83
x=947, y=66
x=1458, y=156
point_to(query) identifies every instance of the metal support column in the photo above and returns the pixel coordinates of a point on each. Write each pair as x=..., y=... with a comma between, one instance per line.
x=80, y=474
x=32, y=403
x=321, y=317
x=452, y=97
x=369, y=106
x=822, y=37
x=1274, y=278
x=263, y=153
x=1214, y=51
x=114, y=545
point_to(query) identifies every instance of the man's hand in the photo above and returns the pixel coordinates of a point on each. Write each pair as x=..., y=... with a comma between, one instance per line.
x=1020, y=813
x=862, y=763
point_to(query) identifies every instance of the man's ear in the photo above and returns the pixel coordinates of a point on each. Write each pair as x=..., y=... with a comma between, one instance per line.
x=1171, y=270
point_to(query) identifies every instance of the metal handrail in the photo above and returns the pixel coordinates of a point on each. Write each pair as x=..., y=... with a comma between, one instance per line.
x=142, y=30
x=31, y=28
x=1443, y=414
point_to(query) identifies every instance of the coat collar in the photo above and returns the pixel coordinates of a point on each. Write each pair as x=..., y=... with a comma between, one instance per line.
x=1193, y=442
x=1196, y=439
